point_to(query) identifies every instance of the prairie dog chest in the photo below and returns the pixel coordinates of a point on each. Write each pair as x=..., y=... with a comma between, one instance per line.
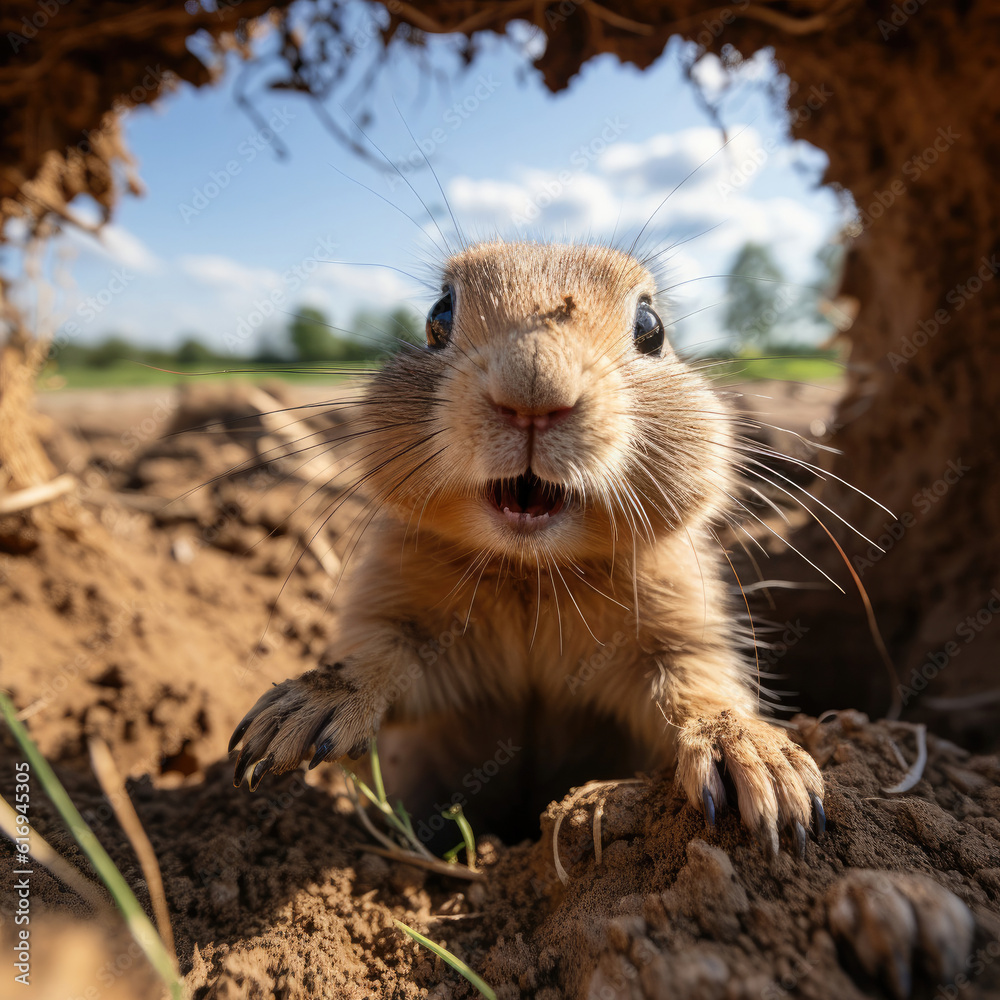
x=522, y=639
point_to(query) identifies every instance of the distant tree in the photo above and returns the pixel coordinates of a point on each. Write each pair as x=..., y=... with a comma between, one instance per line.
x=193, y=352
x=383, y=331
x=823, y=307
x=310, y=336
x=110, y=351
x=405, y=324
x=755, y=298
x=71, y=355
x=371, y=329
x=830, y=260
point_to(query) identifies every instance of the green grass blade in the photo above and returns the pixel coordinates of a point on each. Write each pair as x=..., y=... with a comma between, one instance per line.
x=367, y=792
x=376, y=771
x=455, y=813
x=452, y=853
x=404, y=818
x=446, y=956
x=139, y=925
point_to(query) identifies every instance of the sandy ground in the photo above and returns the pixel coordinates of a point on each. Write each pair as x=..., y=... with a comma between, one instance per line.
x=146, y=612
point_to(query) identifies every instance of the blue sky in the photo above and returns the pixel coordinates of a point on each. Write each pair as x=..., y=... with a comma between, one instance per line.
x=231, y=238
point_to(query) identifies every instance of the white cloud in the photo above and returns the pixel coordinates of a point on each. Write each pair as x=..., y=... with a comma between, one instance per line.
x=666, y=160
x=715, y=79
x=227, y=274
x=606, y=187
x=632, y=184
x=697, y=198
x=375, y=285
x=116, y=244
x=711, y=76
x=486, y=197
x=127, y=249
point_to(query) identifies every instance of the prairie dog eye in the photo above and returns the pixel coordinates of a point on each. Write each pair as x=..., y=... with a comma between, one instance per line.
x=439, y=321
x=648, y=331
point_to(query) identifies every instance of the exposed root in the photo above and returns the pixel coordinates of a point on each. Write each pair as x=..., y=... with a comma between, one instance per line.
x=916, y=771
x=33, y=496
x=113, y=786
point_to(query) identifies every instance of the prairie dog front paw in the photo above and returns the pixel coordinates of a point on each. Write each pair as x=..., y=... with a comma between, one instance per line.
x=322, y=708
x=778, y=785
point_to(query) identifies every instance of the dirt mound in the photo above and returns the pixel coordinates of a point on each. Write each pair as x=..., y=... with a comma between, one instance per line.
x=146, y=626
x=271, y=896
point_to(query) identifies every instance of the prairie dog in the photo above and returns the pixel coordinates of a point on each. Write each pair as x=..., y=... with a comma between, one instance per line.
x=547, y=473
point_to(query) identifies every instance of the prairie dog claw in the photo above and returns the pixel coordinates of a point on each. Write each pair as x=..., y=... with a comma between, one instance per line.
x=892, y=920
x=778, y=785
x=318, y=709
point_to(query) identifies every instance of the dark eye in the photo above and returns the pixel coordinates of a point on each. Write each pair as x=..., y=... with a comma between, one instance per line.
x=648, y=332
x=439, y=321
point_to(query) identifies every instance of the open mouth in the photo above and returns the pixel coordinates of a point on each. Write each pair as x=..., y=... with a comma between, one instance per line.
x=527, y=501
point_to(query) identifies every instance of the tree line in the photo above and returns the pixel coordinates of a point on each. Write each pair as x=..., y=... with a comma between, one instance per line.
x=310, y=338
x=763, y=311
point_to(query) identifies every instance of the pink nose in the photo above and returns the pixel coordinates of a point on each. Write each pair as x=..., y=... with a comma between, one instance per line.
x=523, y=419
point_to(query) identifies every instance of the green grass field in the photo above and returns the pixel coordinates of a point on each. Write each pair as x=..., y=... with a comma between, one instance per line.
x=804, y=368
x=127, y=375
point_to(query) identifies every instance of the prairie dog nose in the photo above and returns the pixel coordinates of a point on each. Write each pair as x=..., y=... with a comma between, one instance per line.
x=540, y=421
x=535, y=384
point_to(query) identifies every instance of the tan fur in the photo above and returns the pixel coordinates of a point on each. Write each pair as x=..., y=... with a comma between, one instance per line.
x=630, y=566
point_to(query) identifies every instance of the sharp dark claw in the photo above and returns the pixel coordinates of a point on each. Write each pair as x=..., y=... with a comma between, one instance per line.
x=819, y=816
x=322, y=750
x=322, y=724
x=242, y=763
x=263, y=766
x=768, y=838
x=238, y=733
x=709, y=803
x=800, y=839
x=903, y=977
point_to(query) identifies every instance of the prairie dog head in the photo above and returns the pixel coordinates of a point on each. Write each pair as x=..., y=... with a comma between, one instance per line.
x=548, y=416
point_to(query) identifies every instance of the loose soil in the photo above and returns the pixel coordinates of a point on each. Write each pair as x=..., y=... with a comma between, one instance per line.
x=151, y=617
